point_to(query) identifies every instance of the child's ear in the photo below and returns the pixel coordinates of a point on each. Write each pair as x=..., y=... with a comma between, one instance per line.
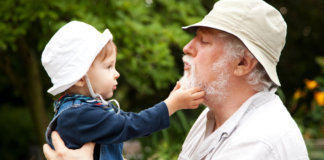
x=80, y=83
x=245, y=65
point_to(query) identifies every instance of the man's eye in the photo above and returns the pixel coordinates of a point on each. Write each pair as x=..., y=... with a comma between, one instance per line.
x=203, y=41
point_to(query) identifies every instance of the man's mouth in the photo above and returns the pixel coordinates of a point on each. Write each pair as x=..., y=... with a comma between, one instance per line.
x=187, y=62
x=186, y=66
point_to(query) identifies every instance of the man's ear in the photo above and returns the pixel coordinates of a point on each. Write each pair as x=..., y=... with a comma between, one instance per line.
x=245, y=64
x=80, y=83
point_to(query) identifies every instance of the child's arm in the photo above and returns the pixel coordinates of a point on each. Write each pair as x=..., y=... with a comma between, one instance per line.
x=93, y=124
x=184, y=99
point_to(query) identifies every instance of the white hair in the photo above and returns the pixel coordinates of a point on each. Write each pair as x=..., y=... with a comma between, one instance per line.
x=234, y=48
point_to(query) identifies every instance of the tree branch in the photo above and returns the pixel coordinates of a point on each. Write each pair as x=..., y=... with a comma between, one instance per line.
x=33, y=92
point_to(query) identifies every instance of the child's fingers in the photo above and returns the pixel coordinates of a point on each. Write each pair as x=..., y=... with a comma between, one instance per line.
x=199, y=101
x=196, y=102
x=177, y=86
x=197, y=95
x=196, y=89
x=194, y=106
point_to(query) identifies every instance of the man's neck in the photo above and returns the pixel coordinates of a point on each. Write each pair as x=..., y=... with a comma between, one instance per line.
x=229, y=105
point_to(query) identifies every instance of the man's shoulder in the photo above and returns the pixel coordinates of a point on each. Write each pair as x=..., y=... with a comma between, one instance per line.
x=270, y=119
x=270, y=124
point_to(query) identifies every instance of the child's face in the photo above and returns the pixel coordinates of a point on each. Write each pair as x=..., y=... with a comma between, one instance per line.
x=103, y=76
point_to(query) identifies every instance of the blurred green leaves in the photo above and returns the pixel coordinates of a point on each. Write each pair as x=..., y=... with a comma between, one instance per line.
x=147, y=33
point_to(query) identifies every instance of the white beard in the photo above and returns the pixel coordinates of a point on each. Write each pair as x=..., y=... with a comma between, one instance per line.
x=188, y=80
x=215, y=90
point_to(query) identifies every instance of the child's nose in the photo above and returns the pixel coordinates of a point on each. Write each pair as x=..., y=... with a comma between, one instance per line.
x=117, y=75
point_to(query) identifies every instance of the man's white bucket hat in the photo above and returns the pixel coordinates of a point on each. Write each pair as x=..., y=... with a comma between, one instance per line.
x=257, y=24
x=69, y=54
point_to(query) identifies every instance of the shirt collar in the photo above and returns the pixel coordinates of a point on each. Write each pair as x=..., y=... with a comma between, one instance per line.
x=74, y=97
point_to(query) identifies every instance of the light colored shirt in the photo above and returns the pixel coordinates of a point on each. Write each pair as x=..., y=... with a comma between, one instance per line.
x=261, y=129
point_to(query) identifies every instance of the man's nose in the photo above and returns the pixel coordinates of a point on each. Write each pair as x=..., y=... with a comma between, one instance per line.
x=189, y=49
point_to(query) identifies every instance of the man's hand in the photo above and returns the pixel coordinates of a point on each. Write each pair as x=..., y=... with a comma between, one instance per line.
x=61, y=152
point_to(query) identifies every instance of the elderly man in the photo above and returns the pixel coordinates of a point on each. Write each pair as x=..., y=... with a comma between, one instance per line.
x=233, y=57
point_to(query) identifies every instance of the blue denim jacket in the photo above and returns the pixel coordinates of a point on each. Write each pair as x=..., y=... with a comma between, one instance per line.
x=80, y=119
x=107, y=151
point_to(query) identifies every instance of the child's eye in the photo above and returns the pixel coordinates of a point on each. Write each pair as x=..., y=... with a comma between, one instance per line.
x=110, y=66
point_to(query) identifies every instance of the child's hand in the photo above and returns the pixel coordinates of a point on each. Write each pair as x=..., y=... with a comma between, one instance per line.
x=184, y=98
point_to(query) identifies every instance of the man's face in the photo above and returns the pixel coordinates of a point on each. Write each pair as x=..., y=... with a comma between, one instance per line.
x=205, y=64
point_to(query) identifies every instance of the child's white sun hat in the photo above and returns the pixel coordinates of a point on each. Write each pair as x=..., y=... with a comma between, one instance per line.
x=69, y=54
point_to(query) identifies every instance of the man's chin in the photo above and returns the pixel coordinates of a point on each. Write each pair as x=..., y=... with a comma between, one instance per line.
x=188, y=80
x=184, y=82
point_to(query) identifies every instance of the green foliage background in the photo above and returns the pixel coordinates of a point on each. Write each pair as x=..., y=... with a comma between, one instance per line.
x=149, y=39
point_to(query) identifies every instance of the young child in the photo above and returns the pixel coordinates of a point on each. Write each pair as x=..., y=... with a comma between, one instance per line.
x=81, y=64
